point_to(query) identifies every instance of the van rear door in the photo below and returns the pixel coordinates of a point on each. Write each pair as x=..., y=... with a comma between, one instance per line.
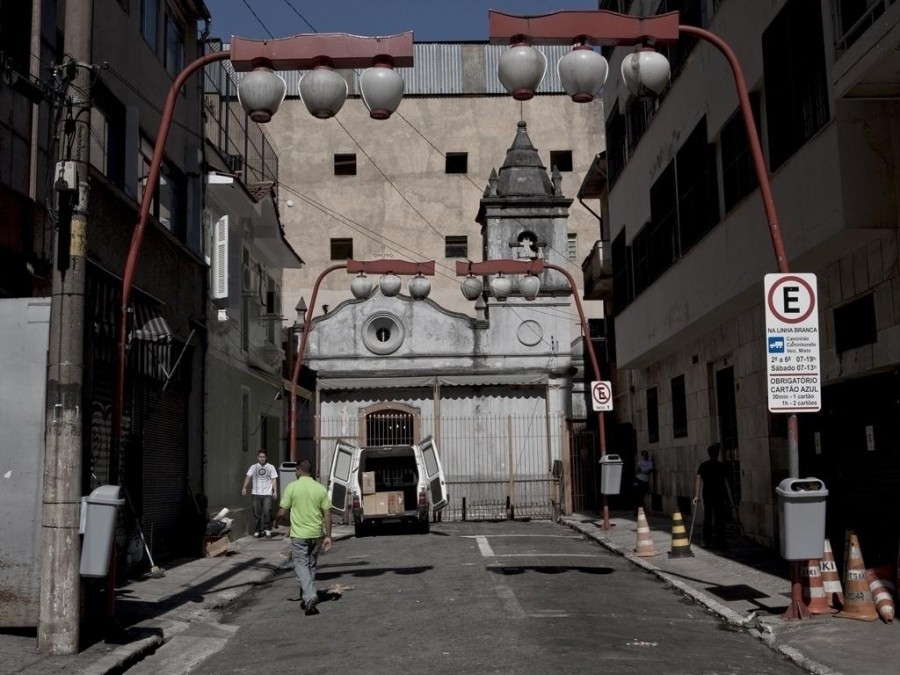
x=341, y=473
x=434, y=473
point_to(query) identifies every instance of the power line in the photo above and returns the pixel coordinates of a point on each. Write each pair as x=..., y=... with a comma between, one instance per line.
x=303, y=18
x=256, y=16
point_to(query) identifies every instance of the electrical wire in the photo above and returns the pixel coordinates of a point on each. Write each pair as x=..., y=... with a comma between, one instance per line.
x=303, y=18
x=256, y=16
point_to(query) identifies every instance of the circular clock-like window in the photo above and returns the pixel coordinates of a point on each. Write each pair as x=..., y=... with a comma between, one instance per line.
x=530, y=333
x=382, y=334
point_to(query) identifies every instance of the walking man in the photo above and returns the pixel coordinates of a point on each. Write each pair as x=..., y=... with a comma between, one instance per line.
x=712, y=483
x=263, y=493
x=310, y=508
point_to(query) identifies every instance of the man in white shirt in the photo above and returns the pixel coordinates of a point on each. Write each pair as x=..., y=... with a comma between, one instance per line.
x=263, y=493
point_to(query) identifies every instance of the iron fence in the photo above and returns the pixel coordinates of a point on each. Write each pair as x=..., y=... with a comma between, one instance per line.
x=496, y=466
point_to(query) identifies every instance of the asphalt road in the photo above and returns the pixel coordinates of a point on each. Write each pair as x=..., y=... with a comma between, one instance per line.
x=504, y=597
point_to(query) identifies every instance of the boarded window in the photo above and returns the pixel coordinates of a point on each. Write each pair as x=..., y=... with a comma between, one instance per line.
x=652, y=415
x=679, y=408
x=854, y=324
x=456, y=246
x=345, y=164
x=561, y=159
x=341, y=249
x=456, y=162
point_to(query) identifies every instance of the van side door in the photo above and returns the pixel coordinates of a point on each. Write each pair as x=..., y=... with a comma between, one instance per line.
x=434, y=473
x=340, y=479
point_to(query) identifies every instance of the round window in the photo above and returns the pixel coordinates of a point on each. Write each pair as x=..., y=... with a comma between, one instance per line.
x=530, y=333
x=382, y=334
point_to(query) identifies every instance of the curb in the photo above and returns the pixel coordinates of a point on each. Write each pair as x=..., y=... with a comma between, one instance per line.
x=754, y=626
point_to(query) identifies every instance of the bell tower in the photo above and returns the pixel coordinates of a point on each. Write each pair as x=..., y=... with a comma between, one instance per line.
x=523, y=214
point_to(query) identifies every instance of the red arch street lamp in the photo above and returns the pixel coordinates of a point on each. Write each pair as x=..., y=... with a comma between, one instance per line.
x=645, y=72
x=261, y=92
x=361, y=287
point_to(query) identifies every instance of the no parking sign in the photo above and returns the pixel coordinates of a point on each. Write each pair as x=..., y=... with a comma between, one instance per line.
x=601, y=396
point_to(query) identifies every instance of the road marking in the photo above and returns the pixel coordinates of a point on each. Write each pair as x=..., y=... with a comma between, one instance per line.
x=545, y=536
x=546, y=555
x=508, y=599
x=484, y=547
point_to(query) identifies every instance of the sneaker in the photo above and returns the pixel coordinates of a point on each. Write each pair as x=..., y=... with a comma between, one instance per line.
x=256, y=535
x=311, y=606
x=268, y=534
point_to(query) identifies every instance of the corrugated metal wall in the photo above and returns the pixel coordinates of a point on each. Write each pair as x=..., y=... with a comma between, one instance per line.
x=442, y=68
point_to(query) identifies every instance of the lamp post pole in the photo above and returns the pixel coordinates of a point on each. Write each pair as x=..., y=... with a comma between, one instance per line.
x=536, y=267
x=613, y=29
x=386, y=266
x=300, y=52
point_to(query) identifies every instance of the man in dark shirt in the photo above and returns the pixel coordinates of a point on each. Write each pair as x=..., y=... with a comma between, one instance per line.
x=712, y=483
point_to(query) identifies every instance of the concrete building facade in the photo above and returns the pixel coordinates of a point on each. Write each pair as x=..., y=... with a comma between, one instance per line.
x=690, y=248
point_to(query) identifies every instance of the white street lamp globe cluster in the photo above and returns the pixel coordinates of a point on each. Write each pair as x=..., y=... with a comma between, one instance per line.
x=501, y=287
x=361, y=287
x=322, y=90
x=582, y=72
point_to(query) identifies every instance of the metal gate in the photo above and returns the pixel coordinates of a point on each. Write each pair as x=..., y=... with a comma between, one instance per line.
x=496, y=467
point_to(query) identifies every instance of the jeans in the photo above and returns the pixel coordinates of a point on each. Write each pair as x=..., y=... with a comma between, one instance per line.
x=715, y=512
x=306, y=554
x=262, y=513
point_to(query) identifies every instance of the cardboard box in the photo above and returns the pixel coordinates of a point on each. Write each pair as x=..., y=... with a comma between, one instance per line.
x=368, y=482
x=215, y=546
x=375, y=504
x=395, y=502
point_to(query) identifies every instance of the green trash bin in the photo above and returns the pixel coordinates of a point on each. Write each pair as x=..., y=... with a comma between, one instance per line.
x=801, y=513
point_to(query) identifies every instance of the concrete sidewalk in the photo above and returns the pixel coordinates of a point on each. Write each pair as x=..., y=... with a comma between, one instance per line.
x=151, y=611
x=749, y=587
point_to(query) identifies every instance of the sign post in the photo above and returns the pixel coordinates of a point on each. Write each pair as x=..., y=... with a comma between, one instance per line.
x=792, y=343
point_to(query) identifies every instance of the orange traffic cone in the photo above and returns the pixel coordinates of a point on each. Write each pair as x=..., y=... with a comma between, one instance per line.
x=681, y=545
x=881, y=583
x=858, y=600
x=814, y=589
x=834, y=594
x=645, y=547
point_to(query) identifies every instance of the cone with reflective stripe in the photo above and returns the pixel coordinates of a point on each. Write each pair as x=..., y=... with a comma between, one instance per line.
x=814, y=589
x=834, y=594
x=858, y=601
x=881, y=583
x=681, y=545
x=645, y=546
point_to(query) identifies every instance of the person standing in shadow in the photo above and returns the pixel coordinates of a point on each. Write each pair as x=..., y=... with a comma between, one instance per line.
x=712, y=483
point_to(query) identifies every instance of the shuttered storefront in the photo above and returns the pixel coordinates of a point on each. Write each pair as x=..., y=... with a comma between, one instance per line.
x=165, y=465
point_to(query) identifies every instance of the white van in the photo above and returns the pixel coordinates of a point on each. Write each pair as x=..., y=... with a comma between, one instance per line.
x=414, y=470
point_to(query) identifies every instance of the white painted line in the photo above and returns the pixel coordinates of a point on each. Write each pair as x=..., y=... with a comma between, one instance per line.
x=546, y=555
x=484, y=547
x=545, y=536
x=510, y=602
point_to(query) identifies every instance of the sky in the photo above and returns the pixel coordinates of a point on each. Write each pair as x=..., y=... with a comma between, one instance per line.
x=430, y=20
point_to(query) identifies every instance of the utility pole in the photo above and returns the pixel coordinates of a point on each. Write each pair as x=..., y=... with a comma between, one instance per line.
x=60, y=605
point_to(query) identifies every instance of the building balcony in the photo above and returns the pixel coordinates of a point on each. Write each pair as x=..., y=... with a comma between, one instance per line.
x=597, y=272
x=241, y=146
x=867, y=63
